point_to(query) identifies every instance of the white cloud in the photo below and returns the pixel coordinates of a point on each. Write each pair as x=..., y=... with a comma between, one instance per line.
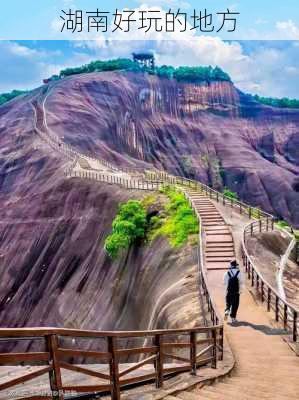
x=288, y=29
x=267, y=68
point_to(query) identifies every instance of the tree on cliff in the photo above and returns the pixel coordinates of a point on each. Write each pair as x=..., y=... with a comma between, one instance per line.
x=128, y=226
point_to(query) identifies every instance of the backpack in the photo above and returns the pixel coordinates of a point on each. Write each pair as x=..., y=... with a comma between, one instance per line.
x=233, y=283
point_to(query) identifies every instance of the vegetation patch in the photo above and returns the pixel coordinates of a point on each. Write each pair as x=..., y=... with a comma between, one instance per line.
x=128, y=226
x=4, y=97
x=179, y=220
x=275, y=102
x=145, y=220
x=228, y=193
x=181, y=74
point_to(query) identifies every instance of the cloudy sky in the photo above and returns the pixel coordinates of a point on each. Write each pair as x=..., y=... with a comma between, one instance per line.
x=269, y=68
x=256, y=62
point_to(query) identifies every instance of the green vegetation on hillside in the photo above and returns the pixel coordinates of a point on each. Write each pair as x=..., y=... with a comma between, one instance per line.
x=274, y=102
x=230, y=194
x=180, y=220
x=133, y=223
x=200, y=74
x=4, y=97
x=128, y=226
x=181, y=74
x=100, y=66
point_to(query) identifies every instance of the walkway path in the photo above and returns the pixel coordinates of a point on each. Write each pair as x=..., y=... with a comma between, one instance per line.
x=266, y=368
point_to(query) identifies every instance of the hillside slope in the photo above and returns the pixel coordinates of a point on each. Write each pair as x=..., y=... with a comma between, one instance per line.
x=211, y=132
x=54, y=270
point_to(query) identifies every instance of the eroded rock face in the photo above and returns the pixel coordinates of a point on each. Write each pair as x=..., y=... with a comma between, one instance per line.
x=211, y=132
x=54, y=270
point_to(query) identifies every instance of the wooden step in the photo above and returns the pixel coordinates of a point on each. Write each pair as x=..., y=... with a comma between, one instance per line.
x=219, y=260
x=187, y=396
x=219, y=239
x=211, y=245
x=218, y=254
x=217, y=264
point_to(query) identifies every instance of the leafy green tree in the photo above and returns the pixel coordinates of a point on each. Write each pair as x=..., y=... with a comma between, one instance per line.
x=128, y=226
x=4, y=97
x=275, y=102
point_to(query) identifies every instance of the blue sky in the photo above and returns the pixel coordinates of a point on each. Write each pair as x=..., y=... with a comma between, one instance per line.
x=269, y=68
x=256, y=62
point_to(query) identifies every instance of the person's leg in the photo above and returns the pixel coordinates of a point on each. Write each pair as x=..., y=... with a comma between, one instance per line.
x=235, y=305
x=228, y=304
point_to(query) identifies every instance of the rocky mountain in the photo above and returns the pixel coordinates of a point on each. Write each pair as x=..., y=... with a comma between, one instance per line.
x=53, y=268
x=211, y=132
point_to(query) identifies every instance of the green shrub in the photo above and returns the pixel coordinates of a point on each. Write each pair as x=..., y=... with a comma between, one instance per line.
x=128, y=226
x=275, y=102
x=4, y=97
x=230, y=194
x=180, y=221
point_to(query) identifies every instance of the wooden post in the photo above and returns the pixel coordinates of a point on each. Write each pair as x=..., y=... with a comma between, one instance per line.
x=214, y=349
x=114, y=372
x=221, y=343
x=260, y=223
x=262, y=291
x=277, y=308
x=159, y=362
x=295, y=326
x=55, y=374
x=252, y=277
x=285, y=316
x=193, y=353
x=249, y=212
x=251, y=229
x=269, y=299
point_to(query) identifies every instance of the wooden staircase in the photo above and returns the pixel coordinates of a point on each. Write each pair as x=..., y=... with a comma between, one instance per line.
x=266, y=368
x=219, y=245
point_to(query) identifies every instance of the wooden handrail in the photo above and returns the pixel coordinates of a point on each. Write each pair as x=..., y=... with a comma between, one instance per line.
x=55, y=355
x=250, y=211
x=282, y=308
x=12, y=333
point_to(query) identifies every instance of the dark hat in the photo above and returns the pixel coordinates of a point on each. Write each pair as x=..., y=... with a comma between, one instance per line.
x=234, y=264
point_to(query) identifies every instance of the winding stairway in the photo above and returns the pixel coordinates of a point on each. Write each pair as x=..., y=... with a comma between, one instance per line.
x=265, y=368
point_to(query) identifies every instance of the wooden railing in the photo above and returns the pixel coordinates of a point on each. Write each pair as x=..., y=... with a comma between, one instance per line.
x=126, y=182
x=212, y=308
x=243, y=208
x=108, y=374
x=269, y=296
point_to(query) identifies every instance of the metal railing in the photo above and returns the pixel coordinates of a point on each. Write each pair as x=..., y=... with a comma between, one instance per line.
x=243, y=208
x=283, y=310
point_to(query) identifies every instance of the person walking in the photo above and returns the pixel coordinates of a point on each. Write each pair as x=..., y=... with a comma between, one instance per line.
x=233, y=281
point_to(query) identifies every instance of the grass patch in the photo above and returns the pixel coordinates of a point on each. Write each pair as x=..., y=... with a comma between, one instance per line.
x=179, y=219
x=144, y=220
x=228, y=193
